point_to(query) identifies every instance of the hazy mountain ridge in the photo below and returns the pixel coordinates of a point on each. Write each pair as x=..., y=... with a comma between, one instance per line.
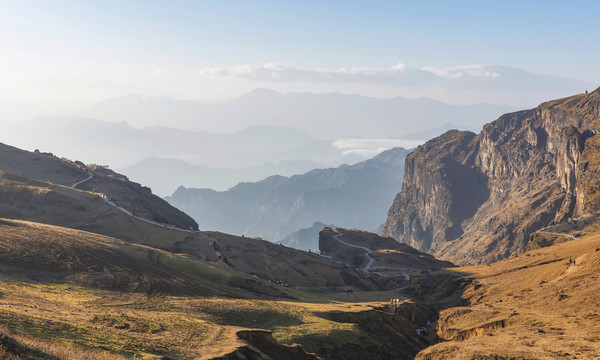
x=306, y=239
x=351, y=196
x=119, y=144
x=476, y=198
x=323, y=116
x=164, y=176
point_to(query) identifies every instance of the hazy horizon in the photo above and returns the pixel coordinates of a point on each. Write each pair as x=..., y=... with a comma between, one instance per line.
x=353, y=78
x=62, y=57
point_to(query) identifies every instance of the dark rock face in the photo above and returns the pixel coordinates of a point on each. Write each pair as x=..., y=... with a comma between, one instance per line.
x=476, y=198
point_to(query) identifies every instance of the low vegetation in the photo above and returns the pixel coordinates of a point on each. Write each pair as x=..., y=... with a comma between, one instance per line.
x=82, y=292
x=543, y=304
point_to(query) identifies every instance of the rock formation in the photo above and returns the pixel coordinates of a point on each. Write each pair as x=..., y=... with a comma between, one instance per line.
x=474, y=198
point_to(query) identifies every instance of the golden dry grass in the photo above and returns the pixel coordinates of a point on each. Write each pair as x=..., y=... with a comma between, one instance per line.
x=534, y=306
x=55, y=289
x=130, y=324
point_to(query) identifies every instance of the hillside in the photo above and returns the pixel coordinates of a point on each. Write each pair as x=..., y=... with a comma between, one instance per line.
x=37, y=201
x=350, y=247
x=39, y=166
x=74, y=290
x=476, y=198
x=351, y=196
x=61, y=254
x=68, y=293
x=44, y=180
x=543, y=304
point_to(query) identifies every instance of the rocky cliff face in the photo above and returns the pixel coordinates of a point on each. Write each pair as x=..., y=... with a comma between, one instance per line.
x=476, y=198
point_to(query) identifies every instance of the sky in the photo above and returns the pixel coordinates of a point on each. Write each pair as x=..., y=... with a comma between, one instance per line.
x=68, y=53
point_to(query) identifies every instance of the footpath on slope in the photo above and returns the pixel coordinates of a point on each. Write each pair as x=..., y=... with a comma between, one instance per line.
x=74, y=186
x=366, y=249
x=105, y=198
x=572, y=237
x=368, y=268
x=165, y=226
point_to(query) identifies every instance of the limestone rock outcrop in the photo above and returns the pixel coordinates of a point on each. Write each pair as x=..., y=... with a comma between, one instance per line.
x=475, y=199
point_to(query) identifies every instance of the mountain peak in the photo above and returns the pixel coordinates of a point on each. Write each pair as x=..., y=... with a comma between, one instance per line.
x=260, y=93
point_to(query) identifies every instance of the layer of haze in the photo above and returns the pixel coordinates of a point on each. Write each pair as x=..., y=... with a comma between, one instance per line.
x=274, y=87
x=60, y=57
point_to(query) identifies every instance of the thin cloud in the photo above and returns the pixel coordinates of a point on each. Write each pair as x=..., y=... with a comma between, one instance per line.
x=398, y=74
x=471, y=77
x=480, y=71
x=372, y=147
x=466, y=84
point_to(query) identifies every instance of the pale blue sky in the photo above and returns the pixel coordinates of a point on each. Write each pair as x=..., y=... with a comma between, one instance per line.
x=92, y=49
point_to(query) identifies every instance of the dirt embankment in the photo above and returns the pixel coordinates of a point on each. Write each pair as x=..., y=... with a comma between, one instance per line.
x=394, y=331
x=260, y=345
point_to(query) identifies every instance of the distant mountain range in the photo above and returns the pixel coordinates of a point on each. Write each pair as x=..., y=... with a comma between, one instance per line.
x=119, y=144
x=260, y=134
x=323, y=116
x=356, y=196
x=164, y=176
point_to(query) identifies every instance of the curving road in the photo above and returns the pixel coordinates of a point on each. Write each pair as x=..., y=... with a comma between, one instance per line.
x=170, y=227
x=572, y=237
x=366, y=249
x=368, y=256
x=84, y=180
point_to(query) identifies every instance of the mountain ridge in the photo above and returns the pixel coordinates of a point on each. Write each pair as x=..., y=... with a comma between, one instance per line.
x=323, y=116
x=476, y=198
x=350, y=195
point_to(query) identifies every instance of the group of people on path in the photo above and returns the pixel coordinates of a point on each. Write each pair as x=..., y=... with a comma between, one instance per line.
x=421, y=331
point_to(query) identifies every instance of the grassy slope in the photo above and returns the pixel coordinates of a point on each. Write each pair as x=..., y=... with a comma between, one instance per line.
x=386, y=252
x=58, y=171
x=26, y=199
x=38, y=166
x=136, y=198
x=534, y=306
x=58, y=205
x=73, y=288
x=276, y=262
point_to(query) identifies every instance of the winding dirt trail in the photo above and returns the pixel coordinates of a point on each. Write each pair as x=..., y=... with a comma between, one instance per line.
x=366, y=249
x=572, y=237
x=404, y=270
x=74, y=186
x=165, y=226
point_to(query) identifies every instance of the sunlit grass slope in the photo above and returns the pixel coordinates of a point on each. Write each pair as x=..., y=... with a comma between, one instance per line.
x=78, y=291
x=544, y=304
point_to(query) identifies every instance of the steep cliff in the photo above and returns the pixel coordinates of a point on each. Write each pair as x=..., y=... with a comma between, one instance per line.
x=476, y=198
